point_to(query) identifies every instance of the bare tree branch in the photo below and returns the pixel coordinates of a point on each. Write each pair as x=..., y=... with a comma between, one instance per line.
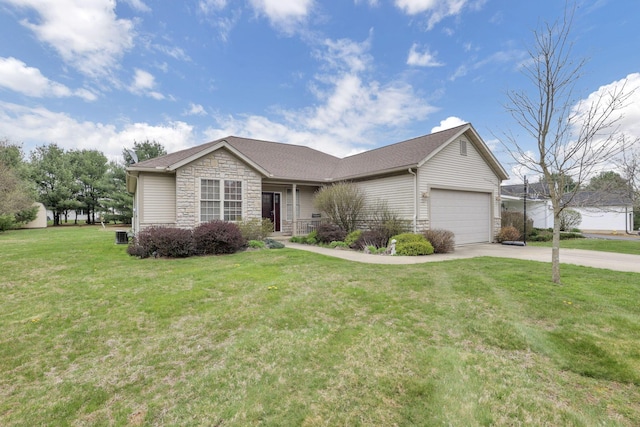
x=573, y=139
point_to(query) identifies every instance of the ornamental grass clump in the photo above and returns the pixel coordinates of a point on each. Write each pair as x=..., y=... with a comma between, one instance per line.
x=443, y=241
x=508, y=234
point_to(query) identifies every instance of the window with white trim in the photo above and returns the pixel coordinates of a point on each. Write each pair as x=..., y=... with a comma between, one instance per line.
x=290, y=204
x=232, y=200
x=209, y=200
x=220, y=200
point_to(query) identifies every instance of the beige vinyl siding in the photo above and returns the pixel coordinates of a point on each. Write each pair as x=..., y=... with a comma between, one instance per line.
x=397, y=190
x=450, y=170
x=159, y=199
x=307, y=194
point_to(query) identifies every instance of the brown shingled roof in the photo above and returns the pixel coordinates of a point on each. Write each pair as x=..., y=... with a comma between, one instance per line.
x=296, y=162
x=287, y=161
x=395, y=156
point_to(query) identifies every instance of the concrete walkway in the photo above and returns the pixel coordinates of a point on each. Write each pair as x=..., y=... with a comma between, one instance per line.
x=606, y=260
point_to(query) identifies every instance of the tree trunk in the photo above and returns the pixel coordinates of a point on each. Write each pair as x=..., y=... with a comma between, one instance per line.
x=555, y=250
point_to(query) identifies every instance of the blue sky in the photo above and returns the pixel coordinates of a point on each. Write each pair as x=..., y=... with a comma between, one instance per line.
x=341, y=76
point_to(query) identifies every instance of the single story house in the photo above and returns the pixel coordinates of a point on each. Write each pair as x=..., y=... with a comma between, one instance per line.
x=600, y=211
x=448, y=179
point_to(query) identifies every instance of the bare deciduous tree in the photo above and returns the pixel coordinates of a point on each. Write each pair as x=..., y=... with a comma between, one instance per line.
x=574, y=139
x=343, y=203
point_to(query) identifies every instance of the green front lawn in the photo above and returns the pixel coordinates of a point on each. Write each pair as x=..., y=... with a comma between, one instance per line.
x=91, y=336
x=619, y=246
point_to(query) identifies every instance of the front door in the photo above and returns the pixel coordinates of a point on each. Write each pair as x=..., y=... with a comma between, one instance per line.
x=271, y=208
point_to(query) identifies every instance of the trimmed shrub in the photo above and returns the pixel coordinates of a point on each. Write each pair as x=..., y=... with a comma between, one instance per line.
x=162, y=242
x=298, y=239
x=415, y=248
x=174, y=243
x=218, y=237
x=443, y=241
x=412, y=244
x=143, y=244
x=508, y=233
x=329, y=232
x=256, y=229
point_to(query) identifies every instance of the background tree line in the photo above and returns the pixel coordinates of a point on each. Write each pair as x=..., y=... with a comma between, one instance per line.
x=67, y=181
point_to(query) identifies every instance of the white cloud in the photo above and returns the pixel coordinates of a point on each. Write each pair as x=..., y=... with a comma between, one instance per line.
x=138, y=5
x=625, y=119
x=285, y=15
x=448, y=123
x=422, y=59
x=36, y=126
x=224, y=23
x=628, y=117
x=86, y=34
x=144, y=83
x=437, y=10
x=512, y=57
x=195, y=110
x=353, y=111
x=17, y=76
x=209, y=6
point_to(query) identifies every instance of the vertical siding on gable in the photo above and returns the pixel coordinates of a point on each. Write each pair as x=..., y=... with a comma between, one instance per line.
x=397, y=190
x=159, y=199
x=448, y=169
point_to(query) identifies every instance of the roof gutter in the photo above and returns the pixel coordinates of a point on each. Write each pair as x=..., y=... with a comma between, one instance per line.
x=377, y=173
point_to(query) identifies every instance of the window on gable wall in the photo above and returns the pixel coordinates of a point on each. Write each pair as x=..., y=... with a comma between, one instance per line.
x=290, y=204
x=213, y=206
x=209, y=200
x=232, y=200
x=463, y=147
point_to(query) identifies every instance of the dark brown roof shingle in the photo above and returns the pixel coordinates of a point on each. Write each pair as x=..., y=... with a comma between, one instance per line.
x=297, y=162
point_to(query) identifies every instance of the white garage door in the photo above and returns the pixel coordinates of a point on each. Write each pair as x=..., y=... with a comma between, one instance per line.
x=466, y=213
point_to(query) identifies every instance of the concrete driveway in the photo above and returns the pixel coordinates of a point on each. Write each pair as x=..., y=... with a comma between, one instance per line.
x=606, y=260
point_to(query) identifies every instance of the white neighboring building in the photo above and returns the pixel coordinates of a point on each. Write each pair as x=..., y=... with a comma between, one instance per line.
x=601, y=212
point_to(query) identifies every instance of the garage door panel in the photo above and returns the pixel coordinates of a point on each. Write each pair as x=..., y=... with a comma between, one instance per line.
x=467, y=214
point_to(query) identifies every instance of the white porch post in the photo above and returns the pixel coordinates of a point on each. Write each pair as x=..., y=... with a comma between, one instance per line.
x=294, y=215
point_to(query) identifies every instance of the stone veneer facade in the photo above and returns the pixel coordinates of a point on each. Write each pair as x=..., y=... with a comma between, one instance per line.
x=218, y=165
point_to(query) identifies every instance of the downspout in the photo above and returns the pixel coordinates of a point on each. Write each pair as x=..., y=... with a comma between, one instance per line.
x=415, y=200
x=294, y=216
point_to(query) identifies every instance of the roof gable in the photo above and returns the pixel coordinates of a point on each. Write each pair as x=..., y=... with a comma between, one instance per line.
x=401, y=155
x=296, y=162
